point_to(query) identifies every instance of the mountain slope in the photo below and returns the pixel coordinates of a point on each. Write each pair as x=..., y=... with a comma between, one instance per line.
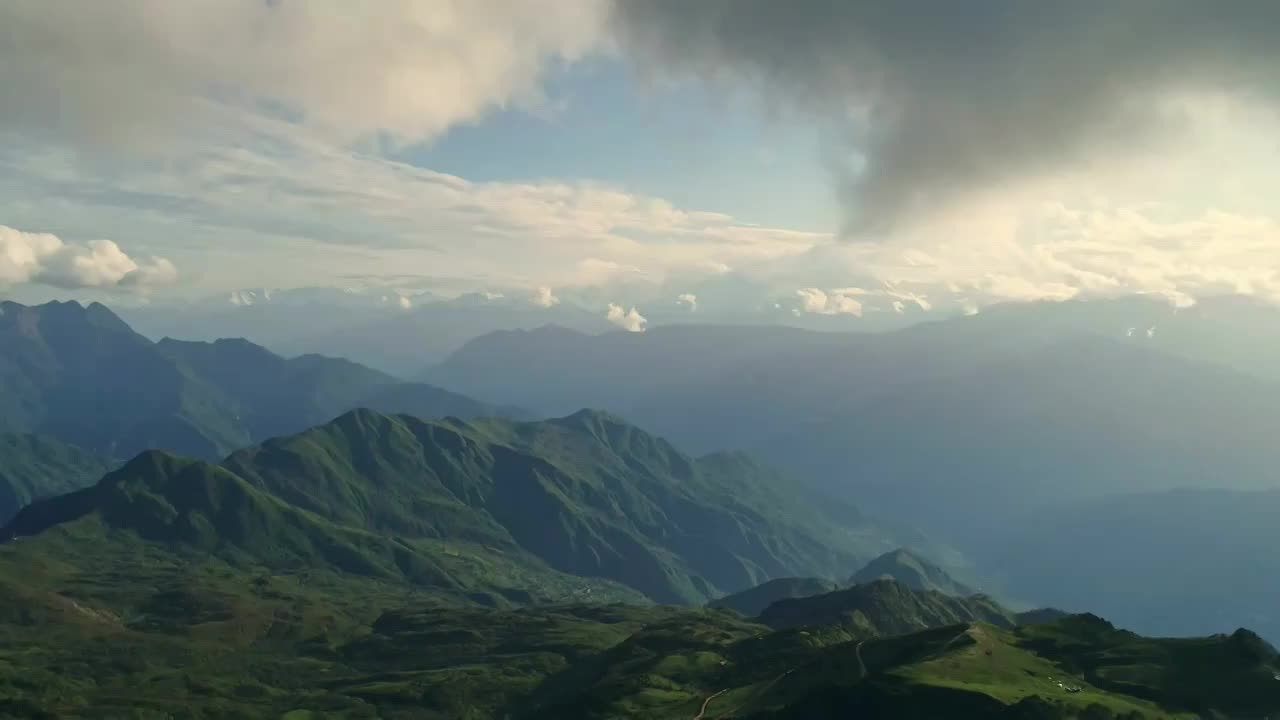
x=885, y=607
x=753, y=601
x=587, y=493
x=34, y=467
x=194, y=512
x=81, y=375
x=908, y=568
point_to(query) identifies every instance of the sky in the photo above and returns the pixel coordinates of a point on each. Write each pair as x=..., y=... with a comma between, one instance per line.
x=815, y=157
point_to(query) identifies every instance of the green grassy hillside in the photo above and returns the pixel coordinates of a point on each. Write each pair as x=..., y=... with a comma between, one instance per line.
x=34, y=467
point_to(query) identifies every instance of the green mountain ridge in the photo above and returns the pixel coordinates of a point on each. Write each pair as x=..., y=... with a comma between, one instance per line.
x=196, y=510
x=587, y=493
x=376, y=495
x=886, y=607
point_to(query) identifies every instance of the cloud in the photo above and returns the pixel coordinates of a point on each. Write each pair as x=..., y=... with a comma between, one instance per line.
x=932, y=100
x=404, y=70
x=300, y=211
x=631, y=321
x=1014, y=250
x=405, y=303
x=836, y=302
x=44, y=258
x=543, y=297
x=688, y=300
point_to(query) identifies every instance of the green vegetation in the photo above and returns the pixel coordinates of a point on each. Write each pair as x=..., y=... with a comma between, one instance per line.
x=885, y=607
x=376, y=567
x=34, y=467
x=231, y=643
x=913, y=571
x=588, y=494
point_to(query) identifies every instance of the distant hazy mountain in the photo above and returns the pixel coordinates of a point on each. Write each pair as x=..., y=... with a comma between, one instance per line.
x=82, y=375
x=943, y=425
x=753, y=601
x=1084, y=417
x=403, y=343
x=34, y=467
x=1170, y=563
x=908, y=568
x=371, y=328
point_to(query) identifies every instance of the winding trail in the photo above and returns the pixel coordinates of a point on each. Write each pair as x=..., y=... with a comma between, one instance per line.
x=862, y=667
x=707, y=702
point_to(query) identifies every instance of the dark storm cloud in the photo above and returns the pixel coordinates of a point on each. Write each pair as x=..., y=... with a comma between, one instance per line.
x=942, y=97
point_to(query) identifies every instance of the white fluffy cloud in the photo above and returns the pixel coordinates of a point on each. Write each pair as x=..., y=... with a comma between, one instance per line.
x=404, y=69
x=835, y=302
x=688, y=300
x=631, y=321
x=44, y=258
x=544, y=297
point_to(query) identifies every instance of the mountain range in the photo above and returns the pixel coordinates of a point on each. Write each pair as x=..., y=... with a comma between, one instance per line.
x=82, y=375
x=1010, y=409
x=381, y=330
x=320, y=555
x=586, y=494
x=349, y=571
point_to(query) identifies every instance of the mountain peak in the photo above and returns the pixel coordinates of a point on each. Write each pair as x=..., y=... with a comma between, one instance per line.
x=590, y=417
x=60, y=318
x=886, y=607
x=907, y=567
